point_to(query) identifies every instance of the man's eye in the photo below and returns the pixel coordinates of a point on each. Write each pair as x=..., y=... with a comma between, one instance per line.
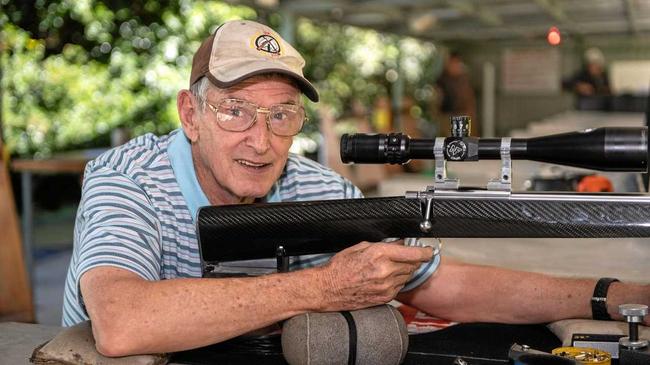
x=235, y=112
x=281, y=116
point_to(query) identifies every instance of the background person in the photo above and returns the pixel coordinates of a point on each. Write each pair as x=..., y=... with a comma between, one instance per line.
x=455, y=95
x=592, y=79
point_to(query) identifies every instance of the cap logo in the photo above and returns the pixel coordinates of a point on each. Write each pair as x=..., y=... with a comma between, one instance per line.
x=267, y=43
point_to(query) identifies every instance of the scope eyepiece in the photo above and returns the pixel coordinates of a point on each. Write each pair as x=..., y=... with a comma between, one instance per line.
x=390, y=148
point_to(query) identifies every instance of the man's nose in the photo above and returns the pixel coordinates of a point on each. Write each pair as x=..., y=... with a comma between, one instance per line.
x=260, y=133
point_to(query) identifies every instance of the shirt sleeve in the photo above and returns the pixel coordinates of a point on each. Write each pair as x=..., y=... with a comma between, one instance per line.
x=423, y=272
x=116, y=226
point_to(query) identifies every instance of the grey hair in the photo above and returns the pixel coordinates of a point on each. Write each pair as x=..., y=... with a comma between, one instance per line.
x=200, y=90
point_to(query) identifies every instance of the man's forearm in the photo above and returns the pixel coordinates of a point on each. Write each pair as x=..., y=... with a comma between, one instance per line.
x=473, y=293
x=132, y=315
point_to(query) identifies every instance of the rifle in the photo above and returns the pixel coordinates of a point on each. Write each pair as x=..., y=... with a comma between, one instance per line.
x=444, y=209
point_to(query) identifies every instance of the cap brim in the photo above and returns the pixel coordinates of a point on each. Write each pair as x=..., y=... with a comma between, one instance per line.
x=305, y=86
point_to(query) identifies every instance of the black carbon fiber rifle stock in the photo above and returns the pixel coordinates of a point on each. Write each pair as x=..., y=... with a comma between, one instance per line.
x=239, y=232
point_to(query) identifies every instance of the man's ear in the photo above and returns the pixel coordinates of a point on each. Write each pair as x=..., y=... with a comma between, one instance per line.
x=188, y=112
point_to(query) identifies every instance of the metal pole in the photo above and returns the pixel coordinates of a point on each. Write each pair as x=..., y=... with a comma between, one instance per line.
x=489, y=96
x=288, y=26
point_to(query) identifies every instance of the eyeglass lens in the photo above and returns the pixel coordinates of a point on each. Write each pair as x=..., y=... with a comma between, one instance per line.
x=238, y=115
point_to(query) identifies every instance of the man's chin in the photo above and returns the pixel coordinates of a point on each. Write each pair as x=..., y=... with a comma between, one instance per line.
x=251, y=187
x=249, y=195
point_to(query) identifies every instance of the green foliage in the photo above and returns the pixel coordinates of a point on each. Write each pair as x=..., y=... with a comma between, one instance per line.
x=81, y=69
x=351, y=63
x=73, y=70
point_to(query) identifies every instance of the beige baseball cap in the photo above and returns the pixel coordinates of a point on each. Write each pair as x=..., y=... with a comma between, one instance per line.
x=240, y=49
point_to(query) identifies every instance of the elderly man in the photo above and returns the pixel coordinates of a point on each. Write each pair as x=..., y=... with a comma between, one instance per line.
x=135, y=271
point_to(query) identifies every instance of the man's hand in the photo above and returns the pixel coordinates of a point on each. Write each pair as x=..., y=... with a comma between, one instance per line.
x=369, y=274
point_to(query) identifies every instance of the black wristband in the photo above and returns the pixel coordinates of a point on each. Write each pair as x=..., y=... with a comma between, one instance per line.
x=599, y=300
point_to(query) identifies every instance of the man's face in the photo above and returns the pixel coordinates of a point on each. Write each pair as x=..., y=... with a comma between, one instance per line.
x=235, y=167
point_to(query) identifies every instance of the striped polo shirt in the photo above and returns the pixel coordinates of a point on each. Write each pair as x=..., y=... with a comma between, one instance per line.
x=138, y=207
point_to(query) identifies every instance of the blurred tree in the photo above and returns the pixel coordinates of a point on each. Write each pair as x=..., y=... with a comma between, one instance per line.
x=352, y=63
x=75, y=70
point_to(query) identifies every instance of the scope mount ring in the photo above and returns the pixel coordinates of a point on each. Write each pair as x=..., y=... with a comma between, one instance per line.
x=504, y=181
x=440, y=179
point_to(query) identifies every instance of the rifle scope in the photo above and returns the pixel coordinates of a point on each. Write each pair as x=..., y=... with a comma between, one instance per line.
x=606, y=149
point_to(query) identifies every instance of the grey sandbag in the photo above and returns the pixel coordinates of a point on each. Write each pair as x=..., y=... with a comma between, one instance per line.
x=324, y=338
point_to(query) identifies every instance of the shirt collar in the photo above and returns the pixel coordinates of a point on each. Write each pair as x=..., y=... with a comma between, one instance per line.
x=180, y=157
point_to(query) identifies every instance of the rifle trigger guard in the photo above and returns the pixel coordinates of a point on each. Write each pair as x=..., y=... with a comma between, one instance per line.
x=426, y=225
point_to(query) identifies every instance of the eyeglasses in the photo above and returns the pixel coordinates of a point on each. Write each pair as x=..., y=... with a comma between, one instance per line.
x=235, y=115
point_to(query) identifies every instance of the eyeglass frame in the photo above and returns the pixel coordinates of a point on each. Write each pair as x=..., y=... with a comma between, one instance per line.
x=258, y=109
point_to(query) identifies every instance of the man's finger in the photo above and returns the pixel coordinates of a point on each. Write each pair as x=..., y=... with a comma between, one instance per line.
x=401, y=281
x=408, y=254
x=403, y=268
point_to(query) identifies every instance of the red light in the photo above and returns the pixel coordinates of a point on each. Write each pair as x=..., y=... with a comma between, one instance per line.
x=553, y=37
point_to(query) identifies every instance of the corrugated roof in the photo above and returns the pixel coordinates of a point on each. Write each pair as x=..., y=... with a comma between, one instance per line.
x=455, y=20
